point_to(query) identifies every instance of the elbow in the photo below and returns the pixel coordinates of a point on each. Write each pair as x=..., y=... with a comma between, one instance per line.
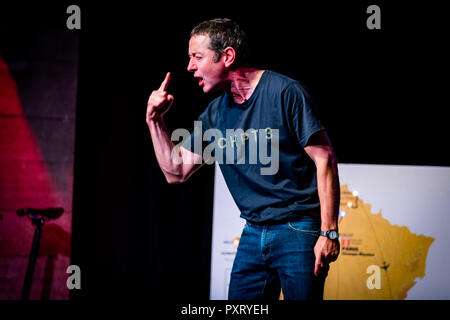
x=328, y=167
x=174, y=179
x=327, y=161
x=173, y=175
x=333, y=162
x=333, y=165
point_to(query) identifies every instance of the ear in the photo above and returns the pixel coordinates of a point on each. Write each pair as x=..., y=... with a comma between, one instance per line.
x=229, y=55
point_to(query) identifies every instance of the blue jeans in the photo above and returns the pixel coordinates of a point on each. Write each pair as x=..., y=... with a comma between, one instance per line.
x=270, y=257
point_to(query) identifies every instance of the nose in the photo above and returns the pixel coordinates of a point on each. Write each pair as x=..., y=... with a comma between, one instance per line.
x=191, y=66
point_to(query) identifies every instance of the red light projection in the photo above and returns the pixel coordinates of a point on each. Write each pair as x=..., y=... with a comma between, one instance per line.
x=25, y=181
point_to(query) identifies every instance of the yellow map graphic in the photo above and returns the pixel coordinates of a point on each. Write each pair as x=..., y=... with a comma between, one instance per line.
x=367, y=239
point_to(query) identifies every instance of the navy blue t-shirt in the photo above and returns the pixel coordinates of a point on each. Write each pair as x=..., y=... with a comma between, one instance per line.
x=278, y=119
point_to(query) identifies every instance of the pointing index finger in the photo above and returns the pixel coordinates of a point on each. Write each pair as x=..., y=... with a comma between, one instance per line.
x=165, y=83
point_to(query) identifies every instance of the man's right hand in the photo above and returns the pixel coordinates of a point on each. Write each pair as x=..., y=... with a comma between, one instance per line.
x=159, y=102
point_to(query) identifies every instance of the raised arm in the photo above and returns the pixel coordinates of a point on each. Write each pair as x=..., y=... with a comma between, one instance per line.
x=166, y=151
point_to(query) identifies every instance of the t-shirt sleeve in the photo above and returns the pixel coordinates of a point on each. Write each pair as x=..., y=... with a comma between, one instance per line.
x=302, y=115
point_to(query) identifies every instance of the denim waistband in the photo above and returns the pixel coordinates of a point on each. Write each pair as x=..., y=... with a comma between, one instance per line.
x=309, y=215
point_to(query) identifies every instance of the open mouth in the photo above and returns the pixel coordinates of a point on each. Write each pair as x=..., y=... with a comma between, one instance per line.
x=200, y=80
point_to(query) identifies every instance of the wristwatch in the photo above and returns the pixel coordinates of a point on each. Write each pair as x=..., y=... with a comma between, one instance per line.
x=330, y=234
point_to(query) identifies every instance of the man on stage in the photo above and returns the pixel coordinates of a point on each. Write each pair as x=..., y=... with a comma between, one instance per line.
x=291, y=234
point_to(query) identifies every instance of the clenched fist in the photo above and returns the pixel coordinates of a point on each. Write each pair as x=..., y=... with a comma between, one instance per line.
x=159, y=101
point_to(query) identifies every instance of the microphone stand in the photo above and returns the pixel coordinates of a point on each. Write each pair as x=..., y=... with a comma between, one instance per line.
x=39, y=223
x=38, y=217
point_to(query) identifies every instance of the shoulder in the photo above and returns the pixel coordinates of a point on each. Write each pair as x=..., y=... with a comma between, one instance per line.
x=284, y=84
x=278, y=79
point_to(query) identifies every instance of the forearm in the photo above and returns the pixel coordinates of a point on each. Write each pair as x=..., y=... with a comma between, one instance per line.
x=163, y=147
x=329, y=193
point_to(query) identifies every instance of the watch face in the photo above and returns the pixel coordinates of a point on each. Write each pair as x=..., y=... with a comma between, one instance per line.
x=333, y=235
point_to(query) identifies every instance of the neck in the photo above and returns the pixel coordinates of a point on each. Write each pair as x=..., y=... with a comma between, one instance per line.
x=243, y=82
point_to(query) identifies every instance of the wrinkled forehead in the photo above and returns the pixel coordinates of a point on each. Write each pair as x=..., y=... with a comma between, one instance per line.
x=199, y=43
